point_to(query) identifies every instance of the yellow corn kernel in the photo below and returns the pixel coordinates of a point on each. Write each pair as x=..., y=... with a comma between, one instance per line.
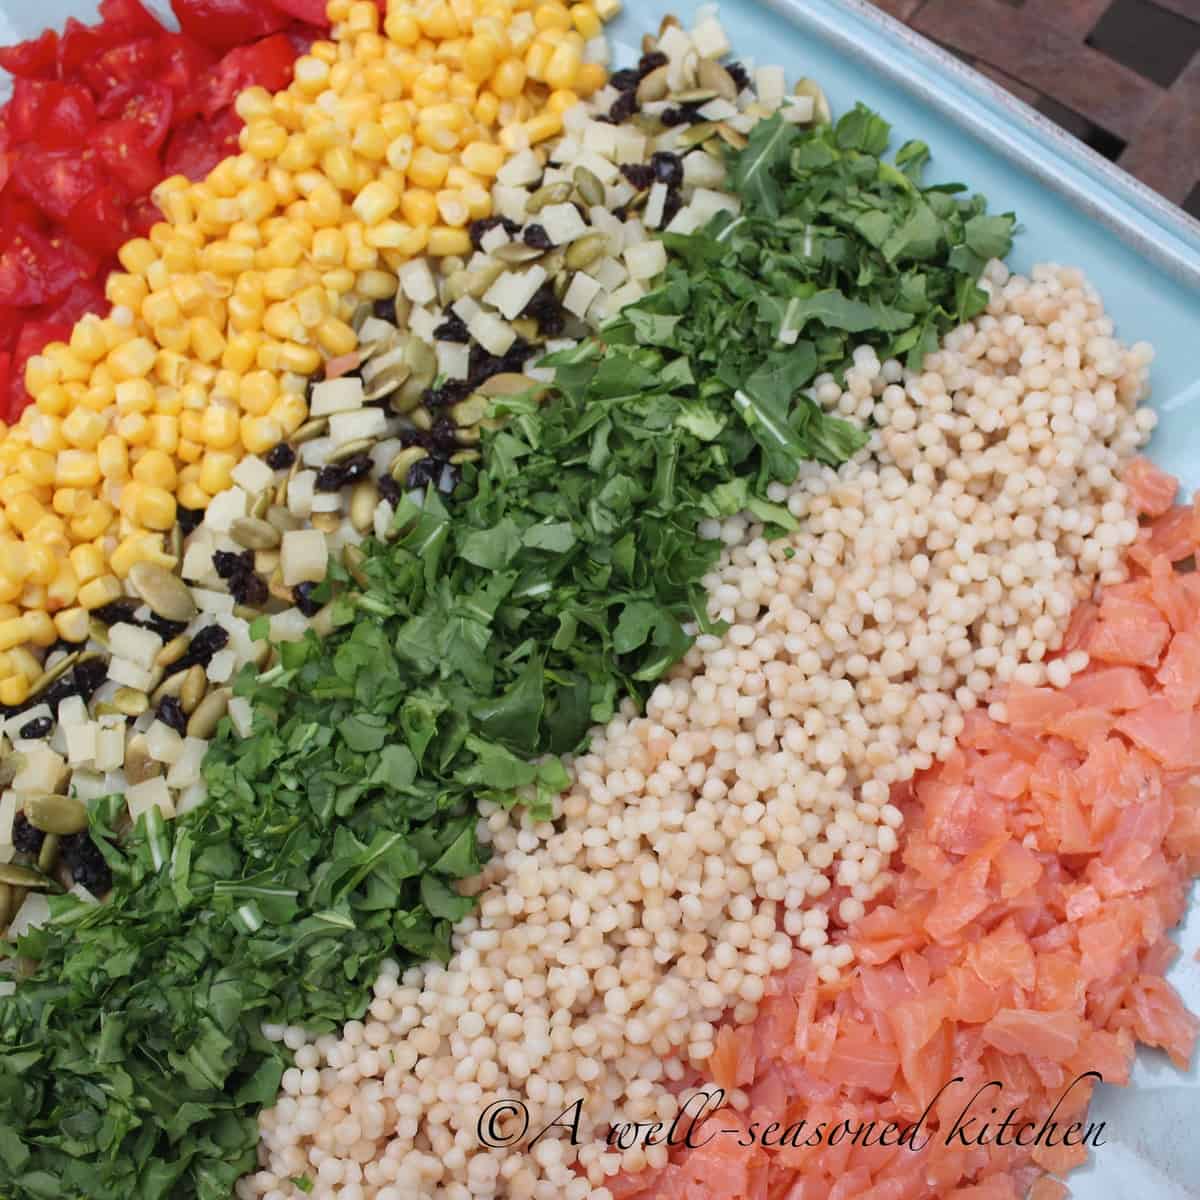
x=133, y=360
x=176, y=338
x=290, y=411
x=329, y=248
x=239, y=351
x=92, y=523
x=246, y=312
x=133, y=428
x=96, y=593
x=133, y=395
x=544, y=125
x=40, y=626
x=336, y=337
x=40, y=372
x=155, y=469
x=188, y=451
x=112, y=455
x=216, y=471
x=227, y=258
x=265, y=140
x=558, y=102
x=77, y=468
x=87, y=562
x=258, y=392
x=43, y=561
x=208, y=343
x=483, y=158
x=300, y=360
x=586, y=21
x=87, y=339
x=419, y=207
x=339, y=281
x=126, y=290
x=155, y=510
x=284, y=251
x=69, y=502
x=137, y=255
x=13, y=632
x=14, y=690
x=72, y=625
x=591, y=78
x=487, y=109
x=445, y=241
x=370, y=141
x=563, y=67
x=375, y=203
x=219, y=427
x=281, y=283
x=38, y=466
x=52, y=399
x=70, y=366
x=260, y=434
x=23, y=512
x=160, y=308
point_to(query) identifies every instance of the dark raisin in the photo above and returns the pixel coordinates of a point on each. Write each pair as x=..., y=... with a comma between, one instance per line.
x=389, y=490
x=302, y=594
x=384, y=310
x=119, y=612
x=414, y=437
x=444, y=435
x=451, y=392
x=164, y=628
x=546, y=310
x=331, y=478
x=739, y=75
x=25, y=838
x=671, y=206
x=188, y=518
x=88, y=676
x=250, y=589
x=422, y=473
x=672, y=116
x=668, y=168
x=203, y=646
x=626, y=80
x=537, y=237
x=280, y=457
x=651, y=62
x=452, y=329
x=60, y=690
x=623, y=107
x=482, y=365
x=515, y=357
x=86, y=863
x=171, y=714
x=356, y=468
x=640, y=175
x=480, y=229
x=227, y=564
x=39, y=727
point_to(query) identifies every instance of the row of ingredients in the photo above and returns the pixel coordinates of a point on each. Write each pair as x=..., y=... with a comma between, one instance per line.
x=362, y=679
x=98, y=117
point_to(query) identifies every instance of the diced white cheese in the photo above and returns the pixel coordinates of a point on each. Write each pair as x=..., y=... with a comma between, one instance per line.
x=647, y=260
x=384, y=513
x=33, y=914
x=211, y=602
x=252, y=475
x=185, y=766
x=675, y=42
x=495, y=237
x=685, y=221
x=192, y=797
x=221, y=666
x=631, y=293
x=600, y=139
x=563, y=223
x=151, y=793
x=514, y=290
x=597, y=50
x=372, y=329
x=522, y=169
x=14, y=725
x=110, y=747
x=337, y=395
x=300, y=493
x=81, y=743
x=352, y=426
x=611, y=274
x=493, y=334
x=583, y=290
x=454, y=359
x=134, y=643
x=465, y=308
x=702, y=170
x=630, y=144
x=604, y=222
x=326, y=502
x=291, y=625
x=72, y=710
x=417, y=282
x=718, y=110
x=241, y=716
x=303, y=557
x=798, y=109
x=8, y=812
x=771, y=84
x=315, y=452
x=633, y=233
x=163, y=743
x=422, y=322
x=656, y=205
x=710, y=38
x=129, y=674
x=197, y=558
x=510, y=202
x=707, y=203
x=88, y=785
x=225, y=508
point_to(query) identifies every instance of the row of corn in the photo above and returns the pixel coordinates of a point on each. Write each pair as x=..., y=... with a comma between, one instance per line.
x=384, y=147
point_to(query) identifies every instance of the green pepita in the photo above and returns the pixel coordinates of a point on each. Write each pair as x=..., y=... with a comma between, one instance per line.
x=56, y=814
x=47, y=858
x=400, y=466
x=192, y=692
x=203, y=722
x=589, y=186
x=364, y=499
x=821, y=111
x=349, y=450
x=309, y=430
x=653, y=86
x=139, y=766
x=515, y=254
x=731, y=137
x=255, y=533
x=130, y=701
x=421, y=418
x=166, y=594
x=710, y=74
x=7, y=908
x=353, y=559
x=586, y=250
x=26, y=877
x=551, y=193
x=470, y=411
x=483, y=278
x=462, y=457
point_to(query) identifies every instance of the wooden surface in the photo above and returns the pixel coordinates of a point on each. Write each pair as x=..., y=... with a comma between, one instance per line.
x=1122, y=75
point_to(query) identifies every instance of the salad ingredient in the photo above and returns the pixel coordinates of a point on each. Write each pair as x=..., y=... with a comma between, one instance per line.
x=747, y=813
x=87, y=140
x=1025, y=938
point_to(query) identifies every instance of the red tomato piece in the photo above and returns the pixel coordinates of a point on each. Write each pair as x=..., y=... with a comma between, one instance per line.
x=129, y=15
x=99, y=222
x=86, y=296
x=35, y=59
x=10, y=326
x=82, y=44
x=55, y=180
x=4, y=169
x=6, y=412
x=310, y=11
x=146, y=104
x=267, y=63
x=35, y=268
x=67, y=117
x=126, y=157
x=182, y=62
x=143, y=214
x=15, y=212
x=24, y=109
x=123, y=63
x=224, y=24
x=191, y=150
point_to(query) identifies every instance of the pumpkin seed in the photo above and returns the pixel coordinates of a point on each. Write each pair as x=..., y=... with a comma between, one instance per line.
x=98, y=632
x=400, y=466
x=166, y=594
x=16, y=875
x=262, y=655
x=254, y=533
x=56, y=814
x=470, y=411
x=515, y=254
x=670, y=21
x=175, y=543
x=699, y=95
x=326, y=522
x=731, y=137
x=697, y=134
x=353, y=559
x=654, y=86
x=321, y=622
x=47, y=858
x=130, y=701
x=554, y=260
x=455, y=288
x=139, y=766
x=550, y=193
x=509, y=383
x=309, y=430
x=648, y=124
x=401, y=309
x=7, y=908
x=281, y=593
x=172, y=652
x=386, y=382
x=649, y=43
x=470, y=435
x=482, y=278
x=586, y=250
x=589, y=186
x=527, y=328
x=195, y=682
x=712, y=75
x=364, y=499
x=362, y=313
x=265, y=561
x=349, y=450
x=421, y=418
x=810, y=88
x=203, y=722
x=465, y=456
x=421, y=361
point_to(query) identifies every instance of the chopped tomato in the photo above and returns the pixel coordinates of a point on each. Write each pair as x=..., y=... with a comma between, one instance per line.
x=132, y=164
x=55, y=180
x=129, y=15
x=145, y=104
x=15, y=212
x=4, y=169
x=82, y=44
x=35, y=59
x=267, y=63
x=35, y=268
x=227, y=23
x=24, y=109
x=5, y=375
x=198, y=145
x=138, y=59
x=85, y=296
x=68, y=116
x=311, y=11
x=10, y=326
x=99, y=222
x=182, y=62
x=143, y=215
